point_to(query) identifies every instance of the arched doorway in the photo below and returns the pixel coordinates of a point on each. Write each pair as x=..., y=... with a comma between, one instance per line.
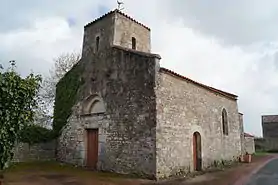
x=93, y=106
x=197, y=151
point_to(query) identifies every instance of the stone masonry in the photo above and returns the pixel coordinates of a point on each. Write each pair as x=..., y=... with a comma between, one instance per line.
x=72, y=143
x=127, y=128
x=270, y=126
x=249, y=144
x=184, y=108
x=269, y=142
x=145, y=115
x=240, y=116
x=24, y=152
x=266, y=144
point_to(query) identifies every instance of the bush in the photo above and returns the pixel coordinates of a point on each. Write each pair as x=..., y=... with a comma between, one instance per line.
x=35, y=134
x=272, y=151
x=17, y=104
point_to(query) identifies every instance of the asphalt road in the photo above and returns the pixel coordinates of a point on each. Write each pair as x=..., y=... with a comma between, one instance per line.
x=267, y=175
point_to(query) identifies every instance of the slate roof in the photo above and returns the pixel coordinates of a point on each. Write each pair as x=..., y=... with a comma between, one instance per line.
x=223, y=93
x=111, y=13
x=270, y=118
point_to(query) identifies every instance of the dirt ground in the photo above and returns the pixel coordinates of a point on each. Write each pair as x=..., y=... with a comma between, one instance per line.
x=52, y=173
x=46, y=173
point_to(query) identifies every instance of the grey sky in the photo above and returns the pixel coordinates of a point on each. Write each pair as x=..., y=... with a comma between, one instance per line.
x=236, y=22
x=231, y=45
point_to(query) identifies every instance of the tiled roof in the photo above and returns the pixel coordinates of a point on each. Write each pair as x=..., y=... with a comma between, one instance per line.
x=119, y=12
x=248, y=135
x=228, y=95
x=269, y=118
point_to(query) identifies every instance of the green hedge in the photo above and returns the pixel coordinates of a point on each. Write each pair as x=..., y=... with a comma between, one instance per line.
x=35, y=134
x=66, y=95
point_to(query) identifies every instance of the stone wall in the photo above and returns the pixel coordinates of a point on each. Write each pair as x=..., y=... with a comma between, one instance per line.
x=115, y=29
x=240, y=115
x=124, y=79
x=125, y=29
x=24, y=152
x=184, y=108
x=103, y=29
x=72, y=143
x=270, y=130
x=266, y=144
x=249, y=145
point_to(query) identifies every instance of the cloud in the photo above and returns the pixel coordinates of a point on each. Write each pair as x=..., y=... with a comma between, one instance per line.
x=34, y=48
x=36, y=32
x=231, y=46
x=249, y=73
x=237, y=22
x=228, y=45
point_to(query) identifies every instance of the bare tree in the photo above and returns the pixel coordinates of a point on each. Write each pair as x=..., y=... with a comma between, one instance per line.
x=62, y=64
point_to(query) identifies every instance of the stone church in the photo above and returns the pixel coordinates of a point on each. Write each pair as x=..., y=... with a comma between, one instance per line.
x=133, y=116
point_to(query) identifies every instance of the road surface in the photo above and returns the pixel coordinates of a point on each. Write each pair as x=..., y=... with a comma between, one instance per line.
x=267, y=175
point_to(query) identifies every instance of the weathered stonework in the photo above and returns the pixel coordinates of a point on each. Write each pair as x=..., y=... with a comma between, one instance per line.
x=269, y=125
x=24, y=152
x=240, y=116
x=72, y=143
x=266, y=144
x=125, y=30
x=115, y=29
x=145, y=117
x=184, y=108
x=128, y=124
x=249, y=145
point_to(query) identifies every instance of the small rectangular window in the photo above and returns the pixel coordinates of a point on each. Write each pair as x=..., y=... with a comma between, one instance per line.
x=133, y=43
x=97, y=43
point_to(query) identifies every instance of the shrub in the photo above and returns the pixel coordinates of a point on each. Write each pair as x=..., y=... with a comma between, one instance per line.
x=35, y=134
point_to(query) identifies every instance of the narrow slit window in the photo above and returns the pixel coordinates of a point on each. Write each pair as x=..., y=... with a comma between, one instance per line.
x=225, y=122
x=97, y=43
x=133, y=42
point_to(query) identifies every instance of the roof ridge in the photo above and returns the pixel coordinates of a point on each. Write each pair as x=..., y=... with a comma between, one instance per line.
x=229, y=95
x=116, y=11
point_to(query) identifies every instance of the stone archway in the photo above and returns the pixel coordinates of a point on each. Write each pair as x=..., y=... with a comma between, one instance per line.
x=197, y=151
x=92, y=108
x=93, y=104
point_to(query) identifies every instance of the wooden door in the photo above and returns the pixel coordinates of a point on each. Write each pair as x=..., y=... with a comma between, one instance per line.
x=197, y=151
x=92, y=148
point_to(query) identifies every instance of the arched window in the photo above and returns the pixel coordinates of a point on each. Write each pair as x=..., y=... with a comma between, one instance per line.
x=133, y=42
x=96, y=107
x=97, y=43
x=225, y=122
x=93, y=105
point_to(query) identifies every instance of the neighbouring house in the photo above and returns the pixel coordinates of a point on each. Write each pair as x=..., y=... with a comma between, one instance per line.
x=269, y=142
x=270, y=126
x=249, y=143
x=130, y=115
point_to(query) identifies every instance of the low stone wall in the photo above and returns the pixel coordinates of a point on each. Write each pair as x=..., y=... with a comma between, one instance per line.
x=266, y=144
x=249, y=145
x=24, y=152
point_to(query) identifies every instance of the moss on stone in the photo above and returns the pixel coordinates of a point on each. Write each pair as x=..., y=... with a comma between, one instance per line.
x=66, y=96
